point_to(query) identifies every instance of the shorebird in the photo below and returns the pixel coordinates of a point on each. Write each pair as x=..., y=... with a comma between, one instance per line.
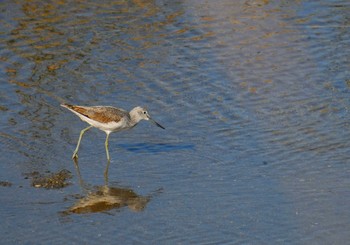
x=108, y=119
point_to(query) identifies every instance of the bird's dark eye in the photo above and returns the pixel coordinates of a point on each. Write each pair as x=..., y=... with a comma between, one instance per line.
x=144, y=112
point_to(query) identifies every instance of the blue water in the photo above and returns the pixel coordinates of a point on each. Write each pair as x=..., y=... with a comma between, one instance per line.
x=253, y=96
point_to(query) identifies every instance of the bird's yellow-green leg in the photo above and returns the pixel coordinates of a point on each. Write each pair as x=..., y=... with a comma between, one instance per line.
x=75, y=153
x=108, y=160
x=106, y=145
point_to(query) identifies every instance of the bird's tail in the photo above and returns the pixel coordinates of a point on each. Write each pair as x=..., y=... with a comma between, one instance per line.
x=68, y=106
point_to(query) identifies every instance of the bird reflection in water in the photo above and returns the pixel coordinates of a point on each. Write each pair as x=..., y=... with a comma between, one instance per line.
x=106, y=198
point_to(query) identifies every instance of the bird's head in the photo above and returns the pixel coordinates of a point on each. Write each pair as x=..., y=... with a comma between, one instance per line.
x=140, y=113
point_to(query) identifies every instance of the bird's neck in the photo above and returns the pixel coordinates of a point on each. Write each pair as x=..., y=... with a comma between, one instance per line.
x=134, y=119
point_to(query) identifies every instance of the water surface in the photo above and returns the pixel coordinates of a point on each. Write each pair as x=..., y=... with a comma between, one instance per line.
x=253, y=95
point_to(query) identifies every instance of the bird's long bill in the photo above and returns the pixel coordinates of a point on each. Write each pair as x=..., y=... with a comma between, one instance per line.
x=156, y=123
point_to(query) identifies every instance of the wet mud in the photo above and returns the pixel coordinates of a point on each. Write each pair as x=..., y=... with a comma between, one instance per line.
x=50, y=180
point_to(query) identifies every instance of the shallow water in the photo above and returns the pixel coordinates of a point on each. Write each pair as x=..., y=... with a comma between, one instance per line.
x=253, y=95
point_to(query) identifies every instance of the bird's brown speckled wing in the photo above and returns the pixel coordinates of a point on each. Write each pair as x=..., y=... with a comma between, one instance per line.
x=102, y=114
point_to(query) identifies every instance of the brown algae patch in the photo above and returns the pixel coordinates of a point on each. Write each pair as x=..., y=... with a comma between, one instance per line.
x=5, y=184
x=51, y=180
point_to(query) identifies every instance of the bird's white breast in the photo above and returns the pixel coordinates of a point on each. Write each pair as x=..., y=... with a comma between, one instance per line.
x=107, y=127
